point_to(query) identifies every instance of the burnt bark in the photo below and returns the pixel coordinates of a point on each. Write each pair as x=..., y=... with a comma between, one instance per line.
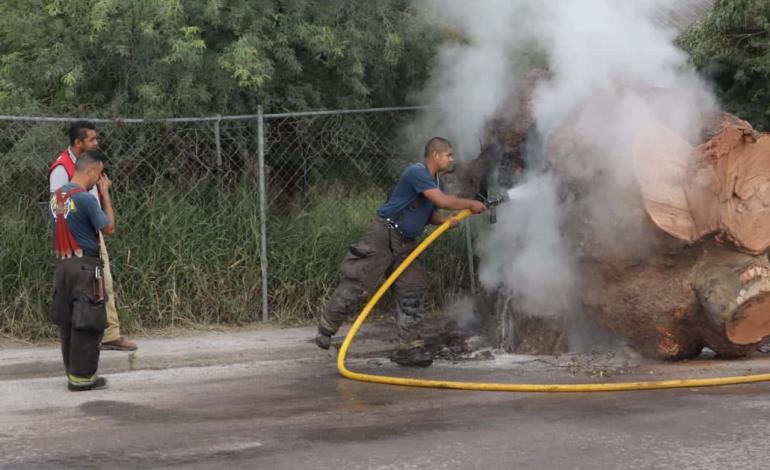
x=501, y=162
x=508, y=326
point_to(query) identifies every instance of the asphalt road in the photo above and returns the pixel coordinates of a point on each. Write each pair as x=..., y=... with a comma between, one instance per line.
x=300, y=414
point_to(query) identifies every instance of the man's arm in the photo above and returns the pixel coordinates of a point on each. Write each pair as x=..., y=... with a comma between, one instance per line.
x=445, y=201
x=436, y=219
x=58, y=178
x=104, y=190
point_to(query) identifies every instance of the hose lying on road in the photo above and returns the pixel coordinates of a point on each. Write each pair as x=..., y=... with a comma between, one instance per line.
x=503, y=387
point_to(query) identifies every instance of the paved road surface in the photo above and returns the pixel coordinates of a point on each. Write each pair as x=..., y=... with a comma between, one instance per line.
x=300, y=414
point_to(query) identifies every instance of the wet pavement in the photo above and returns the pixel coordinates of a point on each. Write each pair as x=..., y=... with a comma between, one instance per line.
x=300, y=414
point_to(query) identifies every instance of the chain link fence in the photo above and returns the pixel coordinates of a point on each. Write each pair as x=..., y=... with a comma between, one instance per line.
x=219, y=218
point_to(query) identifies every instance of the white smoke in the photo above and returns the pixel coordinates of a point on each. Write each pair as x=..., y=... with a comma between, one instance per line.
x=526, y=252
x=472, y=78
x=462, y=311
x=613, y=68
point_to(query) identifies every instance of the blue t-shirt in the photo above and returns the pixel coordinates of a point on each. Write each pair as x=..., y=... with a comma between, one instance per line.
x=84, y=218
x=407, y=206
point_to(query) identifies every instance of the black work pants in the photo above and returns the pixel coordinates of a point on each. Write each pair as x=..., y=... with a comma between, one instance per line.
x=377, y=253
x=79, y=313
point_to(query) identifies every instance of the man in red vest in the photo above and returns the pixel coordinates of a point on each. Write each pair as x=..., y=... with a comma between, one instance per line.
x=83, y=137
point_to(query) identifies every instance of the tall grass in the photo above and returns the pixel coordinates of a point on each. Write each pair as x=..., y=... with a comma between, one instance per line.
x=26, y=270
x=190, y=256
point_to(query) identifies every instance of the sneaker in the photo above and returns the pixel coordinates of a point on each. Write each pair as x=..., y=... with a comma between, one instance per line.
x=120, y=344
x=322, y=339
x=413, y=357
x=99, y=382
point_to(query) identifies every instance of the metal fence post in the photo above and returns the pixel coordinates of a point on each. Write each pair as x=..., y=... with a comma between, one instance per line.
x=262, y=210
x=468, y=236
x=469, y=244
x=218, y=141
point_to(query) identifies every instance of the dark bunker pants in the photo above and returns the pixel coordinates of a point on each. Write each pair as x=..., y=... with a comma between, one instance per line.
x=80, y=315
x=381, y=250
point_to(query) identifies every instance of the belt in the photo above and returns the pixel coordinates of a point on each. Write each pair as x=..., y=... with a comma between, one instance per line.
x=82, y=258
x=390, y=223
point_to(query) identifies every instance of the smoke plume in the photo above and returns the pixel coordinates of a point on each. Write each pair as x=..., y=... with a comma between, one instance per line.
x=613, y=69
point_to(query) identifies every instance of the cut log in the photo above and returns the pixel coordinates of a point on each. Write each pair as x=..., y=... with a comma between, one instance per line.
x=649, y=304
x=674, y=304
x=734, y=289
x=661, y=160
x=722, y=186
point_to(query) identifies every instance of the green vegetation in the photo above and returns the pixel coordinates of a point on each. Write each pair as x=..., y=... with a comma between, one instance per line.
x=191, y=57
x=731, y=46
x=180, y=261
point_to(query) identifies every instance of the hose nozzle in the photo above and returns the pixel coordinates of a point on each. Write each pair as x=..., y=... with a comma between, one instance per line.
x=492, y=201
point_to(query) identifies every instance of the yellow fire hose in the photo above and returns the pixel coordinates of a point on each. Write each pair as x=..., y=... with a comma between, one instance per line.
x=503, y=387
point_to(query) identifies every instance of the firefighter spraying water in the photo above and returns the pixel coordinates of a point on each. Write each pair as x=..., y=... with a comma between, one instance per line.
x=392, y=235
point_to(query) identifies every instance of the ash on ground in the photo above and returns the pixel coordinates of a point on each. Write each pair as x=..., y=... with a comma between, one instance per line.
x=457, y=344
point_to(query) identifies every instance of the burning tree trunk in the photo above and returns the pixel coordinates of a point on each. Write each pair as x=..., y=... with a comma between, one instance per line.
x=681, y=291
x=501, y=159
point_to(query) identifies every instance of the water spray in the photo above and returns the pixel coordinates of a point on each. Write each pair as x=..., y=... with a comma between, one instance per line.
x=520, y=191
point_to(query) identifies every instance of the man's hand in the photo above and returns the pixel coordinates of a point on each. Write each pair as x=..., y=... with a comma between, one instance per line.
x=104, y=184
x=477, y=207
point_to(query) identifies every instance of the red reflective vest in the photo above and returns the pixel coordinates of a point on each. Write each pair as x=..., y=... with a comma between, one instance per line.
x=64, y=242
x=64, y=159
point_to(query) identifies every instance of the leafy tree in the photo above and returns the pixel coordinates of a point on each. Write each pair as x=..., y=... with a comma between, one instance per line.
x=186, y=57
x=731, y=45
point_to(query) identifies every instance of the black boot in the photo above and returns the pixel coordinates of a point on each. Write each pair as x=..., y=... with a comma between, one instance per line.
x=412, y=357
x=99, y=382
x=323, y=339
